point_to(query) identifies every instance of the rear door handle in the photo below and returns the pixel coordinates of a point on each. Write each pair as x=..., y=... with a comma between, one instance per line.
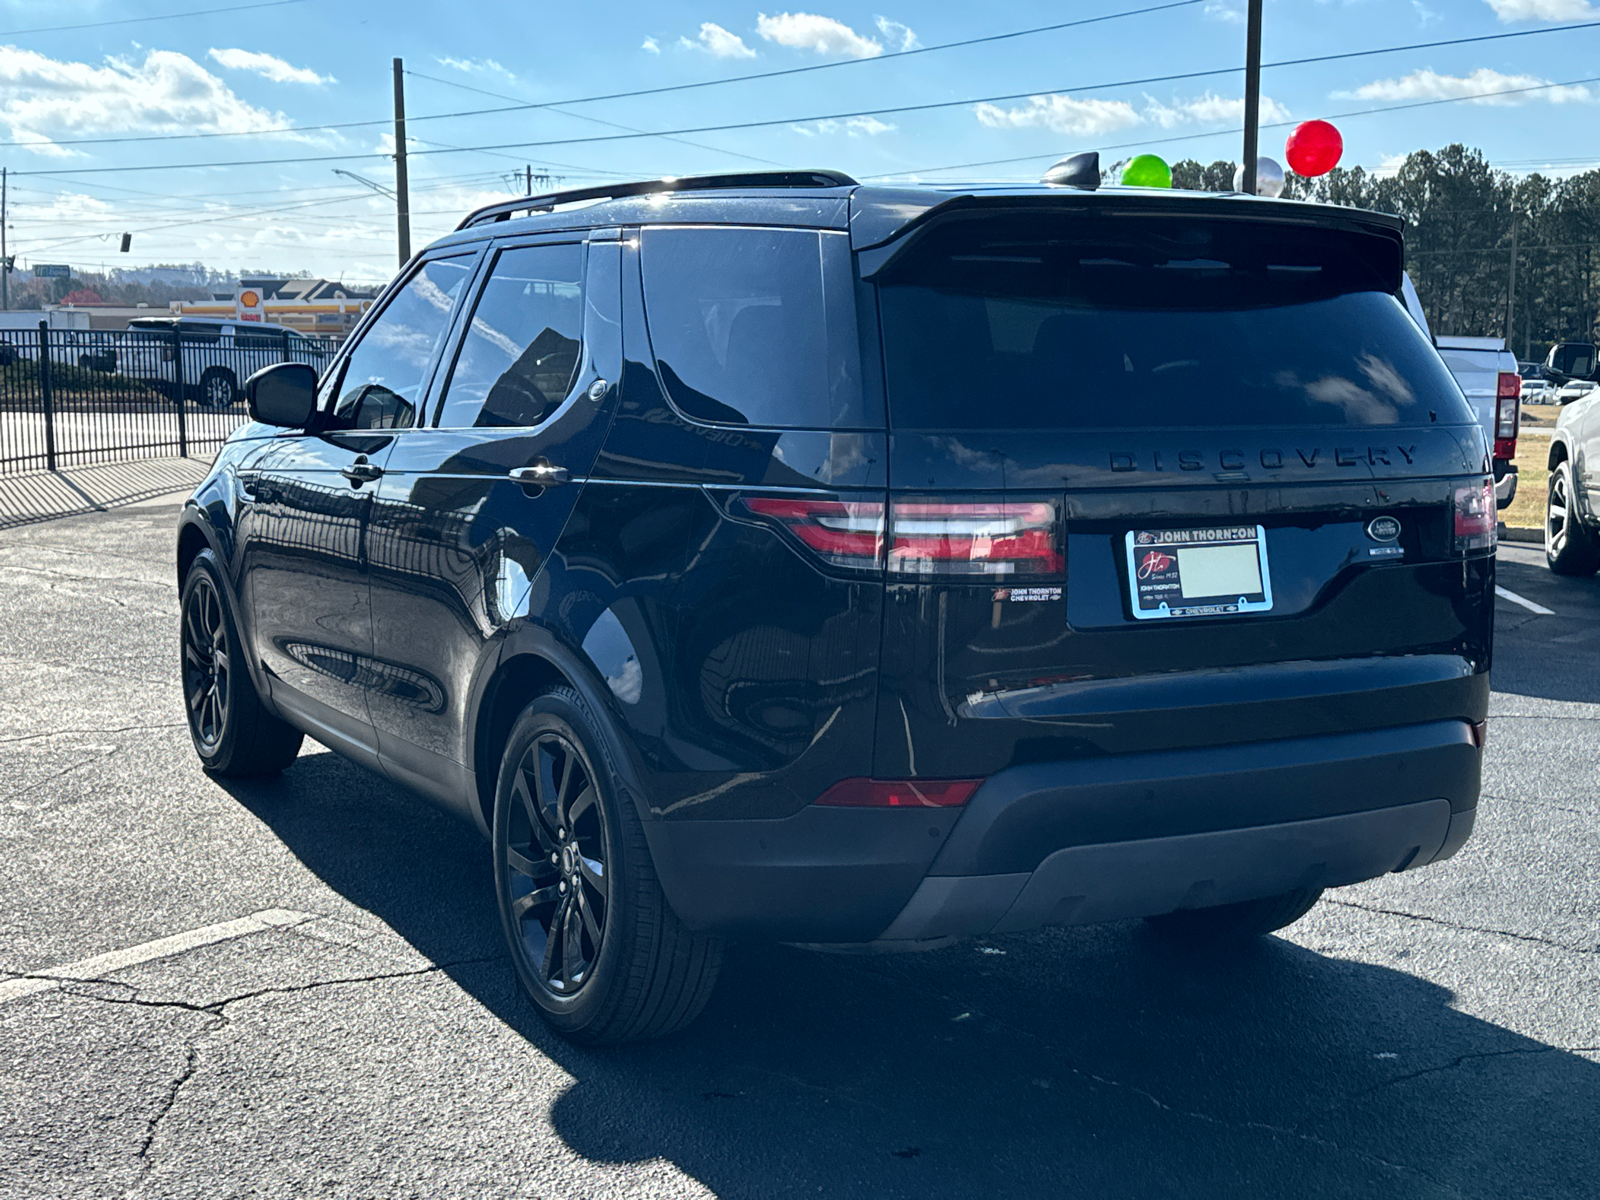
x=361, y=472
x=540, y=475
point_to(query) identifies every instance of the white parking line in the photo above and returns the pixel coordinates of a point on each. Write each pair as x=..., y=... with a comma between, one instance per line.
x=99, y=965
x=1507, y=594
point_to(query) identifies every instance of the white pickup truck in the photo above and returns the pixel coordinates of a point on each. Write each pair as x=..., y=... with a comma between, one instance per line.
x=1487, y=374
x=218, y=356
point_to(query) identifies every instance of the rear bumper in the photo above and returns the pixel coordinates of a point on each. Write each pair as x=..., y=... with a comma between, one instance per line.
x=1505, y=482
x=1080, y=842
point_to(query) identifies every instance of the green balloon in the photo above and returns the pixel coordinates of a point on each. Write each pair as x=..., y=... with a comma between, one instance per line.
x=1147, y=170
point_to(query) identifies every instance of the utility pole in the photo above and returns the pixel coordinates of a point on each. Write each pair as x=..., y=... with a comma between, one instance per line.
x=5, y=263
x=401, y=187
x=1252, y=93
x=529, y=192
x=1511, y=288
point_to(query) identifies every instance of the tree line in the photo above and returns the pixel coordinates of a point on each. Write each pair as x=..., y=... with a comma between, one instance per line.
x=1463, y=219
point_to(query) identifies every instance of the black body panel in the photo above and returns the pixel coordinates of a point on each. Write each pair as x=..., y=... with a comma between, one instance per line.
x=739, y=672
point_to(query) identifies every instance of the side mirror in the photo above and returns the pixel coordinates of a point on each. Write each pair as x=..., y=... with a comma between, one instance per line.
x=284, y=394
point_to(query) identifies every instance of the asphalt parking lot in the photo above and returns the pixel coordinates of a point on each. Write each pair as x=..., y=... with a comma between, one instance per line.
x=296, y=988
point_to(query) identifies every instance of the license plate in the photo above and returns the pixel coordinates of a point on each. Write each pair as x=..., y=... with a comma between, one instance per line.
x=1198, y=572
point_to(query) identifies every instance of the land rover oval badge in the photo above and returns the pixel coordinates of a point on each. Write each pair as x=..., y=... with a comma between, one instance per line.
x=1383, y=529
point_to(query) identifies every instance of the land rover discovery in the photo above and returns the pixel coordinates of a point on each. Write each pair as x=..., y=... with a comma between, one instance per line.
x=769, y=556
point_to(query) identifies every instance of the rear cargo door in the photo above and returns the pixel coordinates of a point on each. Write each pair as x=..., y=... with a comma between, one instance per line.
x=1150, y=475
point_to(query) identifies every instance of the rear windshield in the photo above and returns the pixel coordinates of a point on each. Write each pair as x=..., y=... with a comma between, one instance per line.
x=1140, y=323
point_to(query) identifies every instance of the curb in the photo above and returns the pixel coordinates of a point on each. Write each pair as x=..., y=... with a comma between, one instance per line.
x=1510, y=533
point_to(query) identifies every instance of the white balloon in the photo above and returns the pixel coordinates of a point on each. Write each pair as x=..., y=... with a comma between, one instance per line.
x=1269, y=178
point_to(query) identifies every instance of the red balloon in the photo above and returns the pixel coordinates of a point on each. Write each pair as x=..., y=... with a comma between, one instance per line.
x=1313, y=148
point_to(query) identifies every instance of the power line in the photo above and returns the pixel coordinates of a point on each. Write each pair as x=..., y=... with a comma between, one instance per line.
x=594, y=120
x=1190, y=137
x=680, y=87
x=552, y=104
x=521, y=106
x=203, y=12
x=841, y=116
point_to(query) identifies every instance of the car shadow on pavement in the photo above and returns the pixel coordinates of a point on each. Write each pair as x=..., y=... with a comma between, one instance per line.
x=1087, y=1062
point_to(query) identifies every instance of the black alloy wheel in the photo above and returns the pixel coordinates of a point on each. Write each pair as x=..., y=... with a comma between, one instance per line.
x=233, y=732
x=207, y=665
x=594, y=944
x=555, y=855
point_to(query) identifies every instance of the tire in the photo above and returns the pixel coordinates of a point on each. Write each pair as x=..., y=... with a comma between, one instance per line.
x=233, y=733
x=1231, y=923
x=592, y=939
x=1569, y=548
x=219, y=388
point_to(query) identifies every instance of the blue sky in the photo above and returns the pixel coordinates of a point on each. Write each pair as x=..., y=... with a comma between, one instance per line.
x=290, y=67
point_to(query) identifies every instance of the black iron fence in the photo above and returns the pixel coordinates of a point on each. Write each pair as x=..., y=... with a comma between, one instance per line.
x=71, y=398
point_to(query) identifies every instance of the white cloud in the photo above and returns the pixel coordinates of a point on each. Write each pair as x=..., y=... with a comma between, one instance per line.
x=1424, y=13
x=650, y=44
x=808, y=31
x=1542, y=10
x=267, y=66
x=1231, y=11
x=43, y=98
x=1429, y=85
x=894, y=31
x=1062, y=114
x=1389, y=165
x=718, y=42
x=474, y=66
x=854, y=126
x=1208, y=108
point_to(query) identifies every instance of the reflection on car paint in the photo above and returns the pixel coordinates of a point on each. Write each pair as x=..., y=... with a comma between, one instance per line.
x=369, y=674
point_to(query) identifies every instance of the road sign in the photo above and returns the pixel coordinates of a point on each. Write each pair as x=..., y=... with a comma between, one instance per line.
x=52, y=271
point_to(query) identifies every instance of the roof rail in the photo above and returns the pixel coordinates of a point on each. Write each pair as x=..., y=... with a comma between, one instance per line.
x=686, y=183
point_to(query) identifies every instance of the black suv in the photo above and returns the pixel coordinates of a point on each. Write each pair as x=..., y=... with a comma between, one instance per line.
x=770, y=556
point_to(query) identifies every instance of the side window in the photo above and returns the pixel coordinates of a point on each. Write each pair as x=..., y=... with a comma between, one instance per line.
x=259, y=339
x=522, y=349
x=755, y=326
x=383, y=377
x=208, y=335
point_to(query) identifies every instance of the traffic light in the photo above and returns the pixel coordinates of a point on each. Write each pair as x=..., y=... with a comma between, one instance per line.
x=127, y=240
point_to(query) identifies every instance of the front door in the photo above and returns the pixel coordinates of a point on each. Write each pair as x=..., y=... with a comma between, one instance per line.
x=304, y=539
x=470, y=507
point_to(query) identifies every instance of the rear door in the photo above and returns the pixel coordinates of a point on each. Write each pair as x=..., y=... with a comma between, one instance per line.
x=1144, y=469
x=470, y=506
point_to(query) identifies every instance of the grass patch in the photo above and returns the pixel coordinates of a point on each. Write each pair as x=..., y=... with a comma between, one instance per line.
x=1533, y=452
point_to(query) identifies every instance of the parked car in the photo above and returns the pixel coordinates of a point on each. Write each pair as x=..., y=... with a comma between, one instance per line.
x=217, y=355
x=1577, y=389
x=754, y=556
x=1487, y=374
x=1572, y=514
x=1536, y=389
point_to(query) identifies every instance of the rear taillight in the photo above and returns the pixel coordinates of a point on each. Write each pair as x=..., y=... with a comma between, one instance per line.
x=1507, y=414
x=845, y=533
x=899, y=793
x=981, y=537
x=1476, y=518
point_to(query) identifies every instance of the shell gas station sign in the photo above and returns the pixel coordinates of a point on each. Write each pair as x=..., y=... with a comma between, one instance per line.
x=247, y=305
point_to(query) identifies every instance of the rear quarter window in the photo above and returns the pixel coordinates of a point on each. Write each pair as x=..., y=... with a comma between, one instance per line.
x=756, y=326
